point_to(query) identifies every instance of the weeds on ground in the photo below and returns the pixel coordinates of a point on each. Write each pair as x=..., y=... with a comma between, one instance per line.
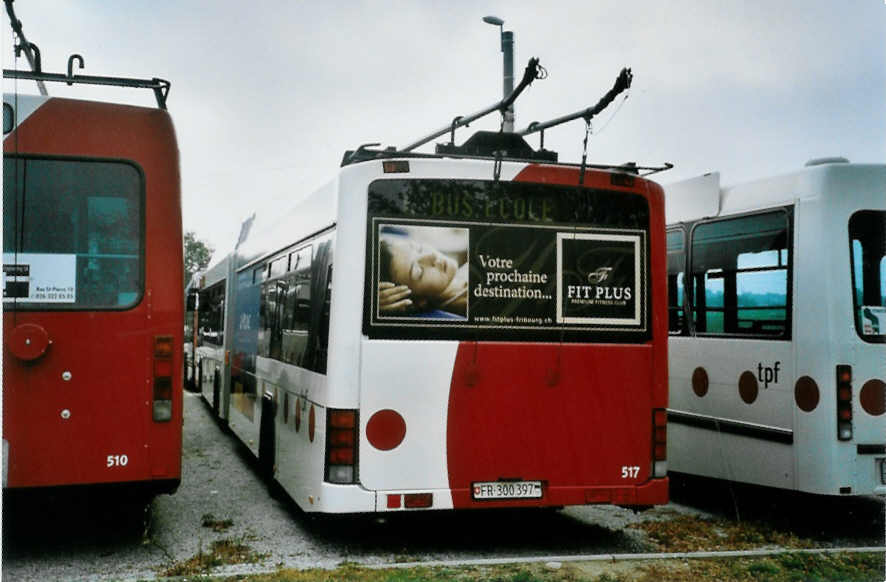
x=222, y=552
x=216, y=525
x=783, y=568
x=691, y=534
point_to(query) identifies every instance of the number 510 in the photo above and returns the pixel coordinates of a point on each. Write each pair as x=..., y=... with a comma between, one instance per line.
x=117, y=460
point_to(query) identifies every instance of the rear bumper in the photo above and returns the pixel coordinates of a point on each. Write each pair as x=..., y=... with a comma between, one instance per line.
x=653, y=492
x=126, y=490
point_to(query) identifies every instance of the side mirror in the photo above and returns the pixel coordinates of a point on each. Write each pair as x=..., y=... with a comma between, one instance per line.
x=8, y=118
x=191, y=301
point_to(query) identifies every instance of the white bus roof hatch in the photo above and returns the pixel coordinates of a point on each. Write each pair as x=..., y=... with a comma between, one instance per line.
x=693, y=198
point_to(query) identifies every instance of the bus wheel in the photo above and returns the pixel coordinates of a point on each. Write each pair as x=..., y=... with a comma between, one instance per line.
x=266, y=438
x=189, y=381
x=200, y=376
x=216, y=392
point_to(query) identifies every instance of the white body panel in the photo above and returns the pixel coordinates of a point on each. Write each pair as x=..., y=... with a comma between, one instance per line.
x=416, y=386
x=364, y=377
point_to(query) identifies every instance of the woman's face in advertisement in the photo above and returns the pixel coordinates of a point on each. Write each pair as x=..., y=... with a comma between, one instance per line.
x=423, y=268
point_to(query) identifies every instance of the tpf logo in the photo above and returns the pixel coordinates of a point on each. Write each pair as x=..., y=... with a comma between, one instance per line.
x=598, y=276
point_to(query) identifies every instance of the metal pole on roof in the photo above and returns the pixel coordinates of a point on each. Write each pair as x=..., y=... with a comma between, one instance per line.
x=507, y=49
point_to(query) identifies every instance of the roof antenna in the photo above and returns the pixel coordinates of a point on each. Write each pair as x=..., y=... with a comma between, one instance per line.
x=32, y=53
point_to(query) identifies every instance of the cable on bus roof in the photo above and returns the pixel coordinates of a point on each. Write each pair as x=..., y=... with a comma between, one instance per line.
x=532, y=72
x=622, y=83
x=159, y=86
x=503, y=145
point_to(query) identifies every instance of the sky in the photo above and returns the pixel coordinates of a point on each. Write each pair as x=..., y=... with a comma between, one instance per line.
x=267, y=95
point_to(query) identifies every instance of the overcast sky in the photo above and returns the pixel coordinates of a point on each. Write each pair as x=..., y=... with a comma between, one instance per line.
x=267, y=95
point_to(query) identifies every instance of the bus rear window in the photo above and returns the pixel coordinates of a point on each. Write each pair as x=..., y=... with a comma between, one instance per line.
x=867, y=235
x=471, y=259
x=72, y=234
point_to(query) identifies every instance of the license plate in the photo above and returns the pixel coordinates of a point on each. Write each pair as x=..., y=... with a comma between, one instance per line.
x=507, y=490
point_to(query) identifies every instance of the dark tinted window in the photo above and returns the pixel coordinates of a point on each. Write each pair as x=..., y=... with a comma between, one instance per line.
x=72, y=234
x=211, y=316
x=676, y=268
x=867, y=235
x=293, y=310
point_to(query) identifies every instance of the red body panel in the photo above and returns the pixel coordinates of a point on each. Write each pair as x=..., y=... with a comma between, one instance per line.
x=570, y=415
x=107, y=353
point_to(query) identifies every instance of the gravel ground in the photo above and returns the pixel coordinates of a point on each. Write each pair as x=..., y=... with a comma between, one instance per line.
x=97, y=540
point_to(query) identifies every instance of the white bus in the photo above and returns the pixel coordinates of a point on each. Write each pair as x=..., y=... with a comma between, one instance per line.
x=209, y=360
x=494, y=335
x=777, y=298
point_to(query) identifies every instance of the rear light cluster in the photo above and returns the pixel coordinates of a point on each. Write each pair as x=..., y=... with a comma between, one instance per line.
x=163, y=350
x=410, y=500
x=341, y=446
x=844, y=402
x=660, y=442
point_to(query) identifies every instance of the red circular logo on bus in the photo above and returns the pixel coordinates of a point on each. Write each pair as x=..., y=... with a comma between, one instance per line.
x=385, y=430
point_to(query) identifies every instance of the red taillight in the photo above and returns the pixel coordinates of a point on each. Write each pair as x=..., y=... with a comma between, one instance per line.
x=418, y=500
x=342, y=418
x=163, y=346
x=341, y=446
x=844, y=402
x=162, y=389
x=162, y=396
x=659, y=442
x=340, y=456
x=341, y=438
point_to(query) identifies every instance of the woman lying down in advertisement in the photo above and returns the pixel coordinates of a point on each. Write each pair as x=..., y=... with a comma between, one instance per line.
x=416, y=279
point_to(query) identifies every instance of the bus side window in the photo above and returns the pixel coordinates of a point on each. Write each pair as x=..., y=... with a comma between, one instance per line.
x=321, y=287
x=323, y=339
x=676, y=268
x=297, y=307
x=739, y=273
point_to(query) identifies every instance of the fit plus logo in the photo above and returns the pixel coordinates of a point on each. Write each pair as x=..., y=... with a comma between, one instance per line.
x=599, y=275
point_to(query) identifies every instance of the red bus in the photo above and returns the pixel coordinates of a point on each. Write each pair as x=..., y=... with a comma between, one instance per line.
x=92, y=296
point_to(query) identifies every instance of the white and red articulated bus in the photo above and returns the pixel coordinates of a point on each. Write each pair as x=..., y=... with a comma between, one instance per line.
x=441, y=331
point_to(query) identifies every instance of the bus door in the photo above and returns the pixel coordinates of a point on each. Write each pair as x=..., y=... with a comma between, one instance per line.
x=867, y=373
x=736, y=376
x=76, y=355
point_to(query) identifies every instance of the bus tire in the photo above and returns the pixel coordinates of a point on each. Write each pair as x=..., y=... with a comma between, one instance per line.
x=200, y=377
x=266, y=438
x=216, y=392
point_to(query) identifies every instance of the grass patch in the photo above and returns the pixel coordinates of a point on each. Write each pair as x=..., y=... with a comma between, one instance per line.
x=784, y=568
x=692, y=534
x=222, y=552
